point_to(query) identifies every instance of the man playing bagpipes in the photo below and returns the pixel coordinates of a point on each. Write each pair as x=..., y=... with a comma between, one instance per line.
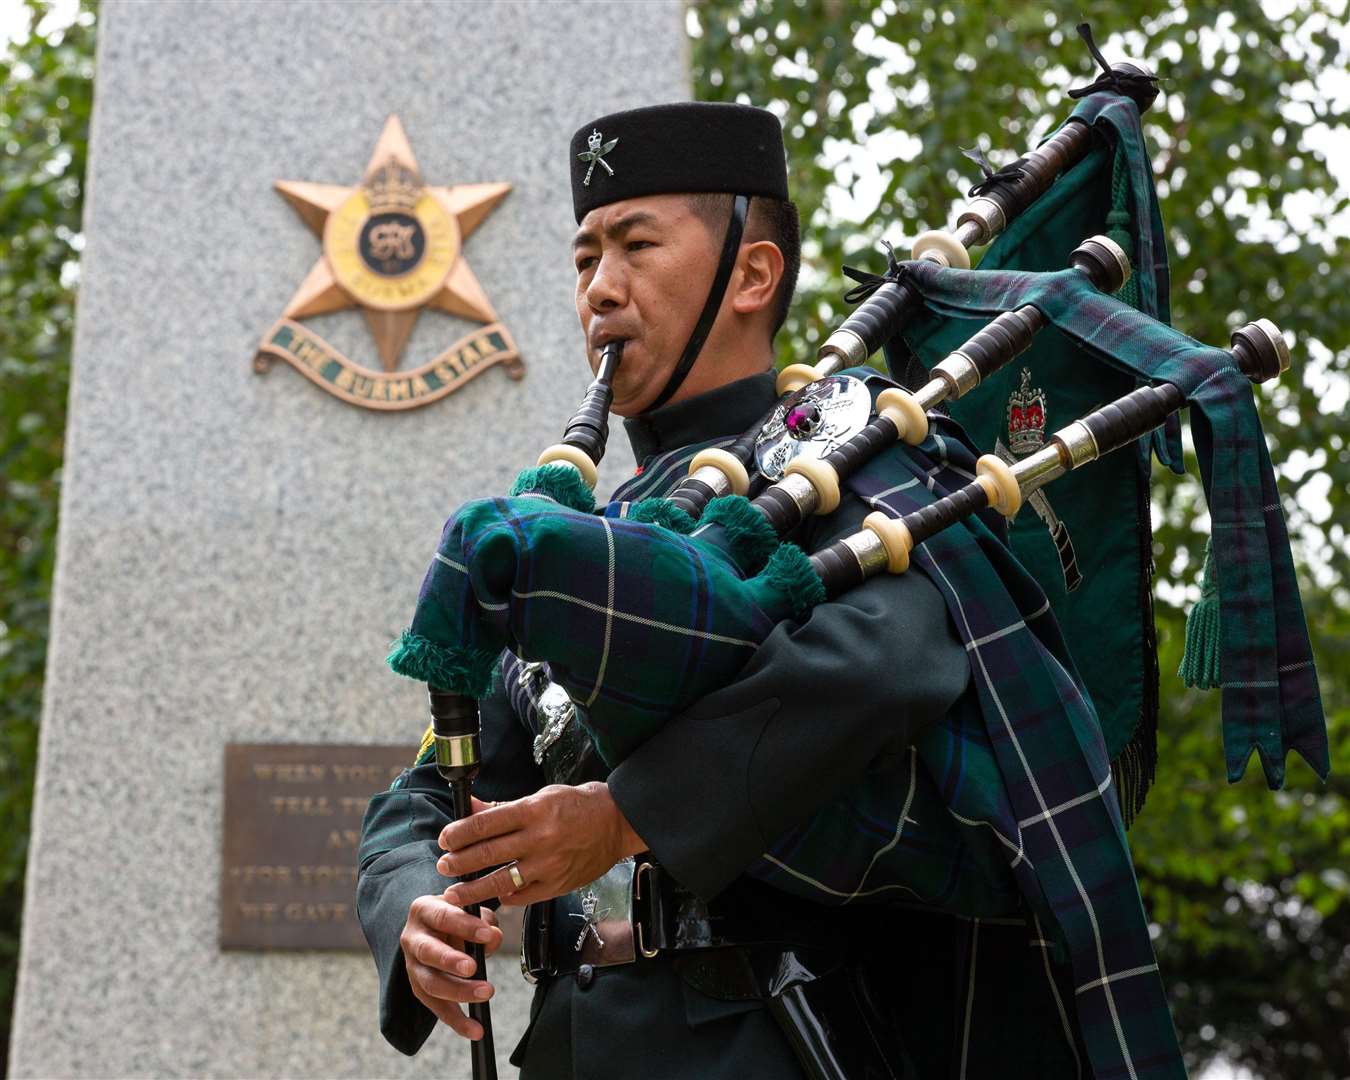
x=918, y=751
x=651, y=237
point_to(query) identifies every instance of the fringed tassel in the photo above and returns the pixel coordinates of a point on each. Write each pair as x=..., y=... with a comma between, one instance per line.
x=1133, y=771
x=1200, y=662
x=749, y=533
x=791, y=573
x=448, y=667
x=662, y=512
x=561, y=483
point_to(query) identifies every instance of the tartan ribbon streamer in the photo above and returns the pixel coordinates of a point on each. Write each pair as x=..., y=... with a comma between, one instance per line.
x=1271, y=702
x=1118, y=116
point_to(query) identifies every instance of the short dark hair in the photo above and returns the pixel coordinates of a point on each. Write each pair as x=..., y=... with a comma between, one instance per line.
x=775, y=220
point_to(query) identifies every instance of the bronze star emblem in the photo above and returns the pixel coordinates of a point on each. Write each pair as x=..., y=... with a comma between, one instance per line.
x=392, y=245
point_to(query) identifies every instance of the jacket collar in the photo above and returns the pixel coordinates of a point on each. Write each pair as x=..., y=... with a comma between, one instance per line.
x=728, y=410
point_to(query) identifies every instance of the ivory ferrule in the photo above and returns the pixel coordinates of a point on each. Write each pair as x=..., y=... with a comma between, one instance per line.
x=801, y=491
x=712, y=457
x=942, y=248
x=822, y=478
x=895, y=537
x=843, y=347
x=457, y=751
x=566, y=454
x=715, y=478
x=1039, y=469
x=964, y=374
x=870, y=552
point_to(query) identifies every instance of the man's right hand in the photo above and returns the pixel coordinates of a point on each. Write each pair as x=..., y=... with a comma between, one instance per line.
x=439, y=967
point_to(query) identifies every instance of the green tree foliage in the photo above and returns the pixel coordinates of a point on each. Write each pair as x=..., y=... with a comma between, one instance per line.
x=44, y=130
x=1248, y=889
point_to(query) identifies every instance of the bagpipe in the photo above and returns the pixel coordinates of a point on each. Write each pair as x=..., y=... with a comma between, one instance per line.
x=640, y=608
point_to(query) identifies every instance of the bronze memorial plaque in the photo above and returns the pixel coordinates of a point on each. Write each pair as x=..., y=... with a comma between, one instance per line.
x=292, y=825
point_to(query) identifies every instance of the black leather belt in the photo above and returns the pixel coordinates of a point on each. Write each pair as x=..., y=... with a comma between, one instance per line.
x=643, y=912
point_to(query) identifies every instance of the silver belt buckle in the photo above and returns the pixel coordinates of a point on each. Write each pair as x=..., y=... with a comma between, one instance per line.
x=599, y=923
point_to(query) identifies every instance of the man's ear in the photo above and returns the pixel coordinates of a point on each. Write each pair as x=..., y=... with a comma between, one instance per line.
x=759, y=269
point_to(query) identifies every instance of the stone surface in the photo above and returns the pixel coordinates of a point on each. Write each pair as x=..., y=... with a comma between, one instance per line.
x=237, y=551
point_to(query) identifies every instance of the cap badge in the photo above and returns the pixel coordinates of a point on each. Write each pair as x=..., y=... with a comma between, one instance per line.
x=596, y=154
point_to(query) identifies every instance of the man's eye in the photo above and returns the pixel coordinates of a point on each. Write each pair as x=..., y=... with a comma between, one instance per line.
x=585, y=263
x=638, y=245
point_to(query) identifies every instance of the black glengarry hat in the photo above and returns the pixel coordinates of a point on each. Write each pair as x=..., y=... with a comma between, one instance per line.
x=683, y=148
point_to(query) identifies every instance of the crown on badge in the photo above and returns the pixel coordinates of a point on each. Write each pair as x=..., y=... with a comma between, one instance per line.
x=594, y=139
x=1026, y=417
x=393, y=187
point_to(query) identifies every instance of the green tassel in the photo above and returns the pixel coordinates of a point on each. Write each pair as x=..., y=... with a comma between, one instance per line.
x=1200, y=662
x=752, y=538
x=661, y=512
x=447, y=667
x=561, y=483
x=791, y=573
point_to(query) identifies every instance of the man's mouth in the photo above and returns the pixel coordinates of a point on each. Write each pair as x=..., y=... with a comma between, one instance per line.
x=601, y=337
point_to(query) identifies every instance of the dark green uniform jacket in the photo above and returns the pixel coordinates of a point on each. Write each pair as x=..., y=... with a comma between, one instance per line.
x=821, y=703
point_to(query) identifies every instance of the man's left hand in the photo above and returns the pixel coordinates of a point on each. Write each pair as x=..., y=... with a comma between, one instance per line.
x=558, y=839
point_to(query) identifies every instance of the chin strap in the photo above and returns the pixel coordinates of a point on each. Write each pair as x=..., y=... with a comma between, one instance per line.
x=731, y=246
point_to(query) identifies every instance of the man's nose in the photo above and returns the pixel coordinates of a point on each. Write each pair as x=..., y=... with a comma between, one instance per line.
x=608, y=288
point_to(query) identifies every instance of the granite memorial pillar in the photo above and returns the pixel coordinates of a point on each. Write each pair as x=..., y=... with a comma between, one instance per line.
x=238, y=549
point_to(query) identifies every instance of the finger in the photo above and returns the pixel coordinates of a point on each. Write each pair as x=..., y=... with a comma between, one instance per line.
x=448, y=1013
x=461, y=862
x=496, y=884
x=443, y=916
x=445, y=987
x=437, y=955
x=483, y=825
x=490, y=936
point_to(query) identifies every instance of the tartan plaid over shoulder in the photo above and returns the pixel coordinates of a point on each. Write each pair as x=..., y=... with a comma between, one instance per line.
x=1007, y=805
x=1271, y=701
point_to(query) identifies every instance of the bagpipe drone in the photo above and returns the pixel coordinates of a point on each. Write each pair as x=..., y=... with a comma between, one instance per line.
x=642, y=607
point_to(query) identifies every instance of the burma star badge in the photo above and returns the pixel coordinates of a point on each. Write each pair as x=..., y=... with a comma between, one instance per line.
x=392, y=246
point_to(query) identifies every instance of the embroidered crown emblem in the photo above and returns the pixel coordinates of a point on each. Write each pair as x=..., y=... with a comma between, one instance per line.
x=1026, y=417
